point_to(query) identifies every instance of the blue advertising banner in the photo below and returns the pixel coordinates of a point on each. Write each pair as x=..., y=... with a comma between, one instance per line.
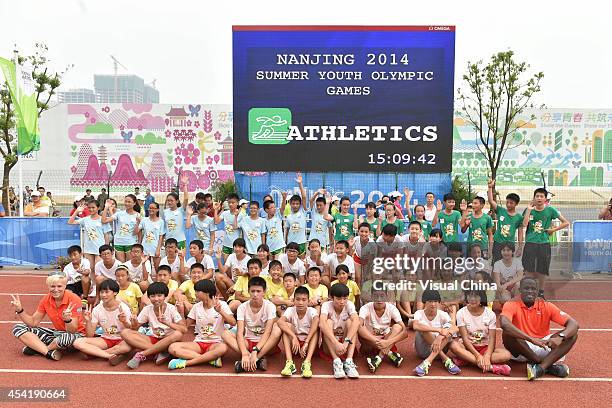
x=35, y=241
x=359, y=187
x=343, y=98
x=592, y=247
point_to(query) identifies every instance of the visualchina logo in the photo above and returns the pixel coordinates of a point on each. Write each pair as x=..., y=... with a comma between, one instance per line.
x=269, y=125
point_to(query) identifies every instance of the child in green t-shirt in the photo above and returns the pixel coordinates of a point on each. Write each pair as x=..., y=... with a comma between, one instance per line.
x=480, y=226
x=509, y=223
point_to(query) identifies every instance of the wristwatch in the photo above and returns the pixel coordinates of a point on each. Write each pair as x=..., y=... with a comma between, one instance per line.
x=348, y=340
x=562, y=335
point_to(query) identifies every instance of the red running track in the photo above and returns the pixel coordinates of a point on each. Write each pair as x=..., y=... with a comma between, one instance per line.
x=94, y=383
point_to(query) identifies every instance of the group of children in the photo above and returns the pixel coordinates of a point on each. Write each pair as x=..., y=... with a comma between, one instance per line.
x=278, y=282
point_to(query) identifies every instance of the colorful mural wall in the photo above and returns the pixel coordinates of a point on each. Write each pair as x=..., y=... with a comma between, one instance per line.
x=572, y=147
x=147, y=146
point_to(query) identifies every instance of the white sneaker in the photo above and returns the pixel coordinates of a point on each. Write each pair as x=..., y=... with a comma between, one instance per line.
x=350, y=369
x=338, y=369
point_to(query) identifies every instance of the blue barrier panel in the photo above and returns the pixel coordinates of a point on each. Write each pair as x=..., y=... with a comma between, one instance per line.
x=35, y=241
x=359, y=187
x=592, y=247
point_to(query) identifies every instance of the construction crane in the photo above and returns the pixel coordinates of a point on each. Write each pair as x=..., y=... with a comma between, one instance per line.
x=116, y=63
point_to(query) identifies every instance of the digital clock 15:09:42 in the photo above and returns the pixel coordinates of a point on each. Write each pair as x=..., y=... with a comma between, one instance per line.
x=402, y=158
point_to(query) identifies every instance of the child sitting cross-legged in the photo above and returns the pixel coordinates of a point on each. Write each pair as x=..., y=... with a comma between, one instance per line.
x=209, y=316
x=300, y=326
x=165, y=322
x=434, y=329
x=113, y=316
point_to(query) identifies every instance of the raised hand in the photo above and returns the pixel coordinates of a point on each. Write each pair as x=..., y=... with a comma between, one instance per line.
x=216, y=206
x=491, y=184
x=189, y=211
x=439, y=205
x=298, y=177
x=124, y=319
x=184, y=180
x=531, y=205
x=463, y=206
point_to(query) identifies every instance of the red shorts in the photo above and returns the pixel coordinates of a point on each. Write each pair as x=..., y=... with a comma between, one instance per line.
x=153, y=339
x=204, y=347
x=250, y=344
x=481, y=349
x=111, y=342
x=357, y=259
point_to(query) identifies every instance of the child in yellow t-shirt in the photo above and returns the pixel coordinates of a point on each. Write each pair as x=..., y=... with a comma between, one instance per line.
x=274, y=282
x=163, y=275
x=185, y=295
x=318, y=292
x=343, y=276
x=129, y=292
x=284, y=297
x=240, y=289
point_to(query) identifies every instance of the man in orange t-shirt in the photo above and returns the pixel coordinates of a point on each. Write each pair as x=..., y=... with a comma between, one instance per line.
x=63, y=309
x=526, y=325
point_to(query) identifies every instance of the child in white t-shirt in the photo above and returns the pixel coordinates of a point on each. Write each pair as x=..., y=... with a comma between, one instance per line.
x=300, y=326
x=339, y=323
x=382, y=328
x=139, y=269
x=233, y=267
x=209, y=316
x=477, y=328
x=113, y=316
x=166, y=324
x=507, y=272
x=78, y=272
x=291, y=262
x=255, y=336
x=434, y=329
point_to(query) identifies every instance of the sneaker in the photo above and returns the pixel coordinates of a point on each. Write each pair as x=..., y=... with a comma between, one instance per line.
x=338, y=369
x=177, y=363
x=289, y=369
x=116, y=359
x=262, y=364
x=238, y=367
x=136, y=360
x=351, y=369
x=422, y=369
x=374, y=363
x=396, y=358
x=458, y=362
x=217, y=362
x=306, y=369
x=28, y=351
x=162, y=358
x=501, y=369
x=54, y=355
x=534, y=371
x=451, y=367
x=558, y=370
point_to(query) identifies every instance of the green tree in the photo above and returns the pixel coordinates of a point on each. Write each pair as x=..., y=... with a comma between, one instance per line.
x=496, y=94
x=46, y=83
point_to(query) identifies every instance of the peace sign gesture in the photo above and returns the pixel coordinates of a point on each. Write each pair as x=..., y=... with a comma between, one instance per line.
x=87, y=314
x=159, y=311
x=463, y=206
x=217, y=304
x=16, y=303
x=67, y=313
